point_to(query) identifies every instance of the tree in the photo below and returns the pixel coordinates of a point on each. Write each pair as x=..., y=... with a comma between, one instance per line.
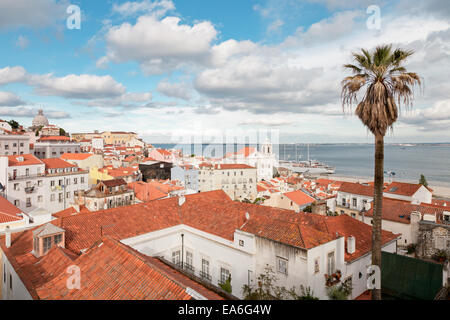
x=265, y=289
x=423, y=181
x=384, y=83
x=14, y=124
x=226, y=286
x=62, y=132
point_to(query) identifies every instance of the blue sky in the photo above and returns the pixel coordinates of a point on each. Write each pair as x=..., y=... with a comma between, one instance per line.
x=164, y=68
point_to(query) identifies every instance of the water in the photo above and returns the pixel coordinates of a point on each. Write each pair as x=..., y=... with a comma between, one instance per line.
x=357, y=160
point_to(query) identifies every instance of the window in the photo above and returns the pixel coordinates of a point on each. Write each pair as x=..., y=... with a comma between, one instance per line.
x=58, y=239
x=355, y=202
x=176, y=257
x=4, y=273
x=17, y=203
x=224, y=275
x=439, y=243
x=10, y=282
x=40, y=182
x=52, y=197
x=52, y=183
x=189, y=260
x=282, y=266
x=343, y=202
x=40, y=198
x=205, y=269
x=16, y=186
x=241, y=243
x=316, y=265
x=27, y=172
x=47, y=243
x=75, y=180
x=82, y=179
x=60, y=197
x=28, y=202
x=330, y=263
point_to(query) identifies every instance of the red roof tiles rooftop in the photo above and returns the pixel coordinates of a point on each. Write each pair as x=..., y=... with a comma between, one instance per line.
x=23, y=160
x=57, y=163
x=114, y=271
x=9, y=212
x=357, y=188
x=300, y=198
x=76, y=156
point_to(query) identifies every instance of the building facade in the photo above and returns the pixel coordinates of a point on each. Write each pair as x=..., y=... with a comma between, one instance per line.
x=14, y=144
x=55, y=147
x=237, y=180
x=31, y=183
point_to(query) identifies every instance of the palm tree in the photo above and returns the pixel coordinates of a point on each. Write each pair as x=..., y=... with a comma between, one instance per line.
x=384, y=84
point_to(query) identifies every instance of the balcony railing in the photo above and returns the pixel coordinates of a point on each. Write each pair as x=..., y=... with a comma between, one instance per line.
x=29, y=190
x=25, y=177
x=189, y=268
x=205, y=276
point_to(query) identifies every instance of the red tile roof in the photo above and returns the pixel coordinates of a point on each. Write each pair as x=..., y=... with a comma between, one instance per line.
x=113, y=271
x=300, y=198
x=212, y=212
x=357, y=188
x=28, y=159
x=400, y=211
x=226, y=166
x=9, y=212
x=146, y=192
x=57, y=163
x=403, y=189
x=54, y=138
x=76, y=156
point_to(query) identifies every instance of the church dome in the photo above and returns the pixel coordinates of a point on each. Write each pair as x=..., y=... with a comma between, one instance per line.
x=40, y=119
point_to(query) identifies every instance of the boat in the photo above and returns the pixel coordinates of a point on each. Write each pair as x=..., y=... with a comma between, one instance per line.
x=308, y=166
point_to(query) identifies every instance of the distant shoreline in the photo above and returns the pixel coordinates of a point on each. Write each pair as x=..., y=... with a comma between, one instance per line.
x=440, y=189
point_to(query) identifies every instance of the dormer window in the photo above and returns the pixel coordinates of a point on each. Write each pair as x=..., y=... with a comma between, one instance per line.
x=46, y=237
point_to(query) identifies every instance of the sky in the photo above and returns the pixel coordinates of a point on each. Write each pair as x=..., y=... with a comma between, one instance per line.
x=167, y=69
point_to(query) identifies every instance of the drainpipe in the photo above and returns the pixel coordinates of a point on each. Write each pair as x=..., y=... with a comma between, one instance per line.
x=182, y=250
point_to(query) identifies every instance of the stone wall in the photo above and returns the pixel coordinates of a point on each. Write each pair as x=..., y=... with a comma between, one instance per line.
x=431, y=238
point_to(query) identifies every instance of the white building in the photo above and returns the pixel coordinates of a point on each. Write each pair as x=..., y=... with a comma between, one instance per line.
x=5, y=126
x=214, y=238
x=264, y=160
x=416, y=193
x=237, y=180
x=13, y=144
x=55, y=146
x=31, y=183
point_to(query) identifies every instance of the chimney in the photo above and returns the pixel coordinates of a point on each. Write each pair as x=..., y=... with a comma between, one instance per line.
x=351, y=245
x=7, y=237
x=181, y=200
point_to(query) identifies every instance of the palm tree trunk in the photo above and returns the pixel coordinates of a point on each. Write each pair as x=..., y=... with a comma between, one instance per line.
x=378, y=207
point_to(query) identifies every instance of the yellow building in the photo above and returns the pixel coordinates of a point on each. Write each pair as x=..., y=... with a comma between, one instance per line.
x=117, y=137
x=96, y=174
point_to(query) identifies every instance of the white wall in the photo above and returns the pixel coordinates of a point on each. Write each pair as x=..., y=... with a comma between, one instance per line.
x=19, y=291
x=218, y=251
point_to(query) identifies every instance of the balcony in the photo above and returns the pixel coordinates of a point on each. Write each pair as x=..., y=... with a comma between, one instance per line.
x=25, y=177
x=29, y=190
x=205, y=276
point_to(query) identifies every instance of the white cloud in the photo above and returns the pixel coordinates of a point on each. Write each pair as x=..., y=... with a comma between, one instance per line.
x=28, y=112
x=174, y=90
x=22, y=42
x=160, y=45
x=157, y=8
x=34, y=14
x=12, y=74
x=73, y=86
x=9, y=99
